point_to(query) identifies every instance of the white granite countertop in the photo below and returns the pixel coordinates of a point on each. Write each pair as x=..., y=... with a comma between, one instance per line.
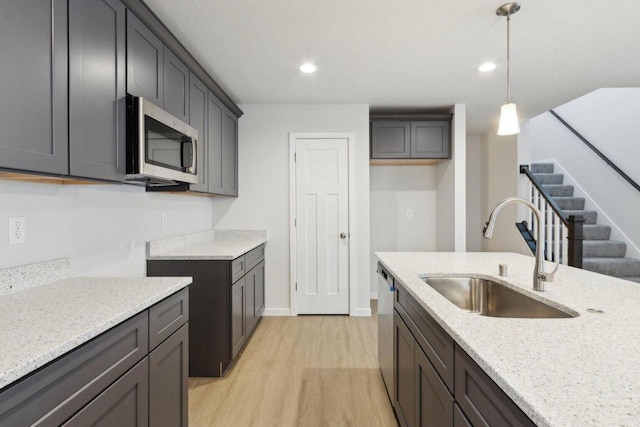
x=39, y=324
x=582, y=371
x=206, y=245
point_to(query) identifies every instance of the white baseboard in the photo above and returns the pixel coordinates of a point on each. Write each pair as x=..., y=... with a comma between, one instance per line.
x=276, y=312
x=374, y=295
x=362, y=312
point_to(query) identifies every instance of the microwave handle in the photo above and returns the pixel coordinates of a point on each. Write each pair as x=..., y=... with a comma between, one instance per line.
x=188, y=152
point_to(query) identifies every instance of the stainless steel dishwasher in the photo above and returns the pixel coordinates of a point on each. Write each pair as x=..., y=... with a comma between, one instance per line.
x=385, y=328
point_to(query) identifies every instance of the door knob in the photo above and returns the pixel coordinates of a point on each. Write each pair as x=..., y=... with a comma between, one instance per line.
x=343, y=235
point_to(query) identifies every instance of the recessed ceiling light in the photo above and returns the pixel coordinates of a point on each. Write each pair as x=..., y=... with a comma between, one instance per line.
x=308, y=68
x=486, y=67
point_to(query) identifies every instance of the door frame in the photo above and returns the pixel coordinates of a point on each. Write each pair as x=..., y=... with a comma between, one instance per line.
x=351, y=138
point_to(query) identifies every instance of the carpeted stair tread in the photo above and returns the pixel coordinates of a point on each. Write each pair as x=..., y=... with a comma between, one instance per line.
x=542, y=168
x=603, y=249
x=549, y=178
x=617, y=267
x=590, y=217
x=559, y=190
x=596, y=232
x=632, y=279
x=570, y=203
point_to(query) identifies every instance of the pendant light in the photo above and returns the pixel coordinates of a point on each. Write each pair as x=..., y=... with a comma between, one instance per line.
x=508, y=114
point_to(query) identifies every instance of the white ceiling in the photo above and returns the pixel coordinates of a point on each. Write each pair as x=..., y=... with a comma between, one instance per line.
x=410, y=53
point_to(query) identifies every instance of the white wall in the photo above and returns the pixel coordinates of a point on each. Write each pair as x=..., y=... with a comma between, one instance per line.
x=451, y=192
x=264, y=188
x=475, y=218
x=103, y=228
x=394, y=191
x=500, y=179
x=609, y=118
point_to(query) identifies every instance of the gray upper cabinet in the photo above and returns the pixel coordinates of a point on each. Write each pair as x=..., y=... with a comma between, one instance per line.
x=430, y=140
x=214, y=140
x=198, y=120
x=230, y=153
x=176, y=86
x=390, y=139
x=33, y=87
x=411, y=139
x=97, y=37
x=145, y=61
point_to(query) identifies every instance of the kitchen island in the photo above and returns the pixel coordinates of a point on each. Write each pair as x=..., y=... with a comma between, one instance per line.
x=577, y=371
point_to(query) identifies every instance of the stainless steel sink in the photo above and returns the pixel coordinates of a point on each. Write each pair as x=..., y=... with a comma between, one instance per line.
x=492, y=299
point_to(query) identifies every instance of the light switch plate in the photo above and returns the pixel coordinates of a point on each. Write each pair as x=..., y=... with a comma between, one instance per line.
x=17, y=230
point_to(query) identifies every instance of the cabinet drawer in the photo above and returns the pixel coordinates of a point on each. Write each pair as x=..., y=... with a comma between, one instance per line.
x=167, y=316
x=124, y=404
x=254, y=257
x=483, y=402
x=434, y=341
x=238, y=269
x=56, y=392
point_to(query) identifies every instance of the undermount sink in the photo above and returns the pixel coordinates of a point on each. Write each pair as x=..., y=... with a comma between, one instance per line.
x=492, y=299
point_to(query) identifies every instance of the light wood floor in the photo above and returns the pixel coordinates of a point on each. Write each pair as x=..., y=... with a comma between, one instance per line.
x=299, y=371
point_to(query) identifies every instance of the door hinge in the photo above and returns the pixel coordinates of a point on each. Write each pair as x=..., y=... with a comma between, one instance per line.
x=296, y=286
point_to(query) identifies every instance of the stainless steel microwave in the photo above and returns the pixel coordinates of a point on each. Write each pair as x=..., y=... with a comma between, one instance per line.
x=161, y=149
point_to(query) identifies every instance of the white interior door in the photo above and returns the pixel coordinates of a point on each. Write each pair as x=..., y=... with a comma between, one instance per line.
x=322, y=219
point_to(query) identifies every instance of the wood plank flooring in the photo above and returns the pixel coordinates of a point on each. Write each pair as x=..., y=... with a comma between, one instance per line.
x=299, y=371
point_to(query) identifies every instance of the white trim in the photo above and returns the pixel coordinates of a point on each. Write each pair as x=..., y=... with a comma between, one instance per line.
x=268, y=312
x=351, y=138
x=374, y=295
x=362, y=312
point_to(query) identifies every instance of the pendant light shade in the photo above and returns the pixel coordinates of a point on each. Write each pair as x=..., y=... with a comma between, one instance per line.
x=508, y=120
x=508, y=114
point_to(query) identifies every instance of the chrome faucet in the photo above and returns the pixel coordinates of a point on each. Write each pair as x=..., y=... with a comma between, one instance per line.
x=540, y=277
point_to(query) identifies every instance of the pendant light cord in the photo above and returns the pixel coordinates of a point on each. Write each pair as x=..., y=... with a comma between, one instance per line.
x=508, y=58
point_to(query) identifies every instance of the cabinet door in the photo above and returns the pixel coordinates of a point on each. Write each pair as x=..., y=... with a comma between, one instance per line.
x=214, y=136
x=176, y=86
x=230, y=153
x=198, y=120
x=434, y=403
x=390, y=139
x=168, y=381
x=259, y=303
x=238, y=335
x=97, y=33
x=33, y=87
x=124, y=404
x=404, y=372
x=430, y=140
x=145, y=61
x=459, y=419
x=250, y=315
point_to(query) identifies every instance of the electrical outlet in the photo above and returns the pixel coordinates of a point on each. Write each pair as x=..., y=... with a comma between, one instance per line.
x=409, y=214
x=17, y=230
x=164, y=219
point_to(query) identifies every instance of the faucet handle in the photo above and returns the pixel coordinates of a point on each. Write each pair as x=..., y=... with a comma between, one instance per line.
x=550, y=275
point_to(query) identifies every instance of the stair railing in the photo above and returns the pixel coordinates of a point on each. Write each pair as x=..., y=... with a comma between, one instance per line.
x=563, y=234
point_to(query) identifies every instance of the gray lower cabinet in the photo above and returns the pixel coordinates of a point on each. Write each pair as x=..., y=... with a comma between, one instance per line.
x=112, y=379
x=168, y=381
x=198, y=120
x=124, y=404
x=425, y=360
x=97, y=38
x=226, y=302
x=33, y=88
x=411, y=139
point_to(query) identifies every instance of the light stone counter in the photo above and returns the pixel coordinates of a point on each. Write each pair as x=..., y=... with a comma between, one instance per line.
x=582, y=371
x=206, y=245
x=40, y=322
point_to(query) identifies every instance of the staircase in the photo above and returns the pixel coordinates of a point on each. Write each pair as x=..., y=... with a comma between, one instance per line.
x=600, y=253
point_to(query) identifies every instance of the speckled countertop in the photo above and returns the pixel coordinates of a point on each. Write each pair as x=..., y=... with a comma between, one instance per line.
x=206, y=245
x=582, y=371
x=40, y=323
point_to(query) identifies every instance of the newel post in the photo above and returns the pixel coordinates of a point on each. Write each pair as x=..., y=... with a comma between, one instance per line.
x=574, y=240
